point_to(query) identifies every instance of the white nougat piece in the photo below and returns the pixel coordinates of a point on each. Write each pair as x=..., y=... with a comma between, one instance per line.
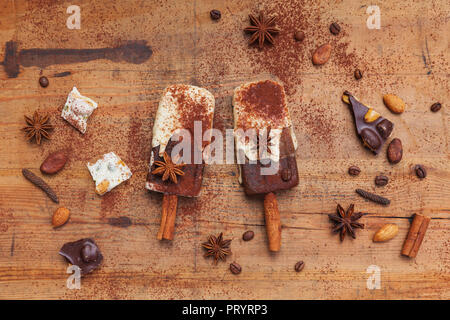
x=108, y=172
x=77, y=109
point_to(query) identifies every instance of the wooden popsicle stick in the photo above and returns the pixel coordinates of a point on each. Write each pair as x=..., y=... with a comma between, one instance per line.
x=273, y=222
x=169, y=212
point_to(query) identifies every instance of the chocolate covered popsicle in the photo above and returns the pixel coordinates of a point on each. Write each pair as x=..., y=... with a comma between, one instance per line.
x=182, y=110
x=267, y=162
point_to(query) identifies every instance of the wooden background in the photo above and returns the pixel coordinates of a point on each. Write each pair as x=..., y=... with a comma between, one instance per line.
x=408, y=56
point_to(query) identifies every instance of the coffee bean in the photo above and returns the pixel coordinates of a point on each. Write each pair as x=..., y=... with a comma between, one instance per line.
x=395, y=151
x=436, y=107
x=215, y=14
x=299, y=35
x=235, y=268
x=381, y=181
x=358, y=74
x=248, y=235
x=335, y=28
x=43, y=81
x=299, y=266
x=286, y=174
x=89, y=253
x=354, y=171
x=421, y=172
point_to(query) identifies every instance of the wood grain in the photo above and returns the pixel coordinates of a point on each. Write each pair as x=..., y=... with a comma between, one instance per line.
x=408, y=56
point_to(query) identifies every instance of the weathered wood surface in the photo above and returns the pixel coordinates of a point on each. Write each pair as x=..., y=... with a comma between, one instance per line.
x=408, y=56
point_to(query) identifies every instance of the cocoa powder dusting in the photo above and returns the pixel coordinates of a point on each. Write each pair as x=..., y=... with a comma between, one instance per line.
x=265, y=99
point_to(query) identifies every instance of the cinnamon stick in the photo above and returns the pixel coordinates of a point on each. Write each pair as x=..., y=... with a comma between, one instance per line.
x=273, y=223
x=169, y=212
x=415, y=236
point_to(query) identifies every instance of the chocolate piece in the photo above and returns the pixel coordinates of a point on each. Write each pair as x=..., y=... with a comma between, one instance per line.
x=83, y=253
x=373, y=134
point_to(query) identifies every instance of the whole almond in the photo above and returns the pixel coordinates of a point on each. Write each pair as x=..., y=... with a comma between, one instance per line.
x=386, y=232
x=322, y=54
x=394, y=103
x=60, y=217
x=54, y=162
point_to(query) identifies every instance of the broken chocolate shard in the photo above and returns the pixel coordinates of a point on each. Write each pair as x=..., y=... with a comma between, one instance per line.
x=374, y=133
x=83, y=253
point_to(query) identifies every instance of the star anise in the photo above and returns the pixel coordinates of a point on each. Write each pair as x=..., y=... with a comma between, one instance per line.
x=345, y=222
x=217, y=247
x=37, y=127
x=259, y=143
x=262, y=29
x=168, y=169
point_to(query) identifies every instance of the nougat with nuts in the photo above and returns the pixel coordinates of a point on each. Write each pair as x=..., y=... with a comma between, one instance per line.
x=108, y=172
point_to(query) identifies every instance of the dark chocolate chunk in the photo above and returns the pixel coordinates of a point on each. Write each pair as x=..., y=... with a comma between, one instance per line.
x=83, y=253
x=385, y=128
x=374, y=133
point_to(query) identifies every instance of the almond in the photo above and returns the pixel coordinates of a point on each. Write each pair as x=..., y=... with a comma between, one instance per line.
x=60, y=217
x=394, y=103
x=371, y=116
x=102, y=187
x=386, y=232
x=345, y=98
